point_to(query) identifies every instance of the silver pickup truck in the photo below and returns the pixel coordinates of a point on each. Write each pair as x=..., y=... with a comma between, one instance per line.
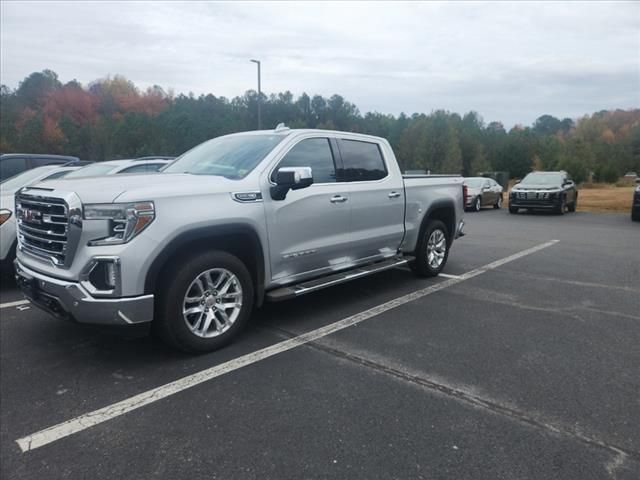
x=237, y=220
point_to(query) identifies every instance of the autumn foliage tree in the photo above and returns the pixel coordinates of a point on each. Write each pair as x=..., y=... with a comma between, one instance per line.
x=112, y=118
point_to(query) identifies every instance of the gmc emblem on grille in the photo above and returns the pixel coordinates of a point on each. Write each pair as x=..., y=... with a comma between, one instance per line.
x=31, y=216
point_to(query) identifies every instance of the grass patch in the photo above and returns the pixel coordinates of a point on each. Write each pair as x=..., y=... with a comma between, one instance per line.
x=606, y=199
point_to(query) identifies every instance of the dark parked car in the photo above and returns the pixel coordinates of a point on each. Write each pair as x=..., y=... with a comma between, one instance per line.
x=14, y=163
x=482, y=192
x=544, y=191
x=635, y=206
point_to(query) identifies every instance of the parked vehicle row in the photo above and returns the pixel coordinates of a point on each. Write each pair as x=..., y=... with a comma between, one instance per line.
x=236, y=221
x=14, y=163
x=113, y=167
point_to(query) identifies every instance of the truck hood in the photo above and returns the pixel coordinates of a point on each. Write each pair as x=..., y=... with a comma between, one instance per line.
x=136, y=187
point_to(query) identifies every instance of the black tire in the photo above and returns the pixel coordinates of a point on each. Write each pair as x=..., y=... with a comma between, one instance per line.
x=513, y=210
x=563, y=206
x=635, y=214
x=169, y=321
x=7, y=270
x=421, y=266
x=477, y=204
x=574, y=205
x=498, y=204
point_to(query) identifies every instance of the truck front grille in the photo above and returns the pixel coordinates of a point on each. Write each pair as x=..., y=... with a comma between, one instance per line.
x=43, y=226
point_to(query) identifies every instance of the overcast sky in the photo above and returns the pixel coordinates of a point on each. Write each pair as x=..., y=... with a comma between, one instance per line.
x=509, y=61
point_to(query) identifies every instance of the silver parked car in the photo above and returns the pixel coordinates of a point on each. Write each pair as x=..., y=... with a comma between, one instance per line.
x=482, y=192
x=113, y=167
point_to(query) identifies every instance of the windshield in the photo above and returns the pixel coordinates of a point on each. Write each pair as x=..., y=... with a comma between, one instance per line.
x=474, y=182
x=94, y=170
x=554, y=179
x=231, y=157
x=25, y=178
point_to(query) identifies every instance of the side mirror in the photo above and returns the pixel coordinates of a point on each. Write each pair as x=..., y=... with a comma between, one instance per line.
x=291, y=178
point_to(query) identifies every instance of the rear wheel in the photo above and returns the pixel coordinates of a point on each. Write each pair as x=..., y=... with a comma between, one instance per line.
x=205, y=302
x=433, y=250
x=574, y=205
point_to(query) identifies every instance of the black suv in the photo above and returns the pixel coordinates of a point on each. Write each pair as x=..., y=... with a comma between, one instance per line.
x=14, y=163
x=544, y=191
x=635, y=206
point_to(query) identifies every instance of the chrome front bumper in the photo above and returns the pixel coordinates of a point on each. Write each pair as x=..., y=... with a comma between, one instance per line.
x=71, y=300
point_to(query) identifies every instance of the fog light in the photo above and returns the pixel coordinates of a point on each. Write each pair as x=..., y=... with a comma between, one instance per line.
x=110, y=276
x=102, y=276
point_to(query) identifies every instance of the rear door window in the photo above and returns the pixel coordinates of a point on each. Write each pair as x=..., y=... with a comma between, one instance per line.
x=315, y=153
x=362, y=160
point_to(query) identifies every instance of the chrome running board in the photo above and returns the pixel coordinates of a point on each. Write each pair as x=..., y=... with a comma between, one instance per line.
x=292, y=291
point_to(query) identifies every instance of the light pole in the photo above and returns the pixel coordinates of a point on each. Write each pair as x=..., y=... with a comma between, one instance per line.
x=259, y=94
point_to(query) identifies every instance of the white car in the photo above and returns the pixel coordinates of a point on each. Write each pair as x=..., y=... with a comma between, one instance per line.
x=113, y=167
x=8, y=189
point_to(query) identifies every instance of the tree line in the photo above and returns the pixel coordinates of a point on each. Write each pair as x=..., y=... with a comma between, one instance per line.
x=111, y=118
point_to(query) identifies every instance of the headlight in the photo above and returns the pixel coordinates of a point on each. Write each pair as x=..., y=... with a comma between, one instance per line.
x=126, y=220
x=4, y=215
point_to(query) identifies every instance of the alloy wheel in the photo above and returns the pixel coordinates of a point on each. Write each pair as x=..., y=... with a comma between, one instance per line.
x=212, y=303
x=436, y=248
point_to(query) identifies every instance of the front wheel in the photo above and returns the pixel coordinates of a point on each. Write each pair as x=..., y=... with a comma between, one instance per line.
x=513, y=210
x=498, y=203
x=563, y=206
x=204, y=302
x=574, y=205
x=478, y=204
x=433, y=250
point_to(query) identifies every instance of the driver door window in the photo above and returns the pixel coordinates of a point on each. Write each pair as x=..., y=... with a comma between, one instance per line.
x=315, y=153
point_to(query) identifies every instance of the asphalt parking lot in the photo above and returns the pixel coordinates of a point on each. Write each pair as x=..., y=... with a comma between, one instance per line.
x=522, y=362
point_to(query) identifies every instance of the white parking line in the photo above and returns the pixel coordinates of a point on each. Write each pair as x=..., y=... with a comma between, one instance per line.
x=448, y=275
x=78, y=424
x=14, y=304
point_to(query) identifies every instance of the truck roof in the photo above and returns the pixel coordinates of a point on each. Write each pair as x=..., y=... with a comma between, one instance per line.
x=285, y=131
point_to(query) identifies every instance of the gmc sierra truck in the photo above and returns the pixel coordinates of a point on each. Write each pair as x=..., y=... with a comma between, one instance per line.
x=237, y=220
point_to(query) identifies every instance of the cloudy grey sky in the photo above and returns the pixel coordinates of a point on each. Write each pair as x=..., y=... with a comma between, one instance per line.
x=509, y=61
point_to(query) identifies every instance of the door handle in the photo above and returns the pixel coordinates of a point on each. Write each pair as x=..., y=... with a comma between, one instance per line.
x=394, y=194
x=338, y=199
